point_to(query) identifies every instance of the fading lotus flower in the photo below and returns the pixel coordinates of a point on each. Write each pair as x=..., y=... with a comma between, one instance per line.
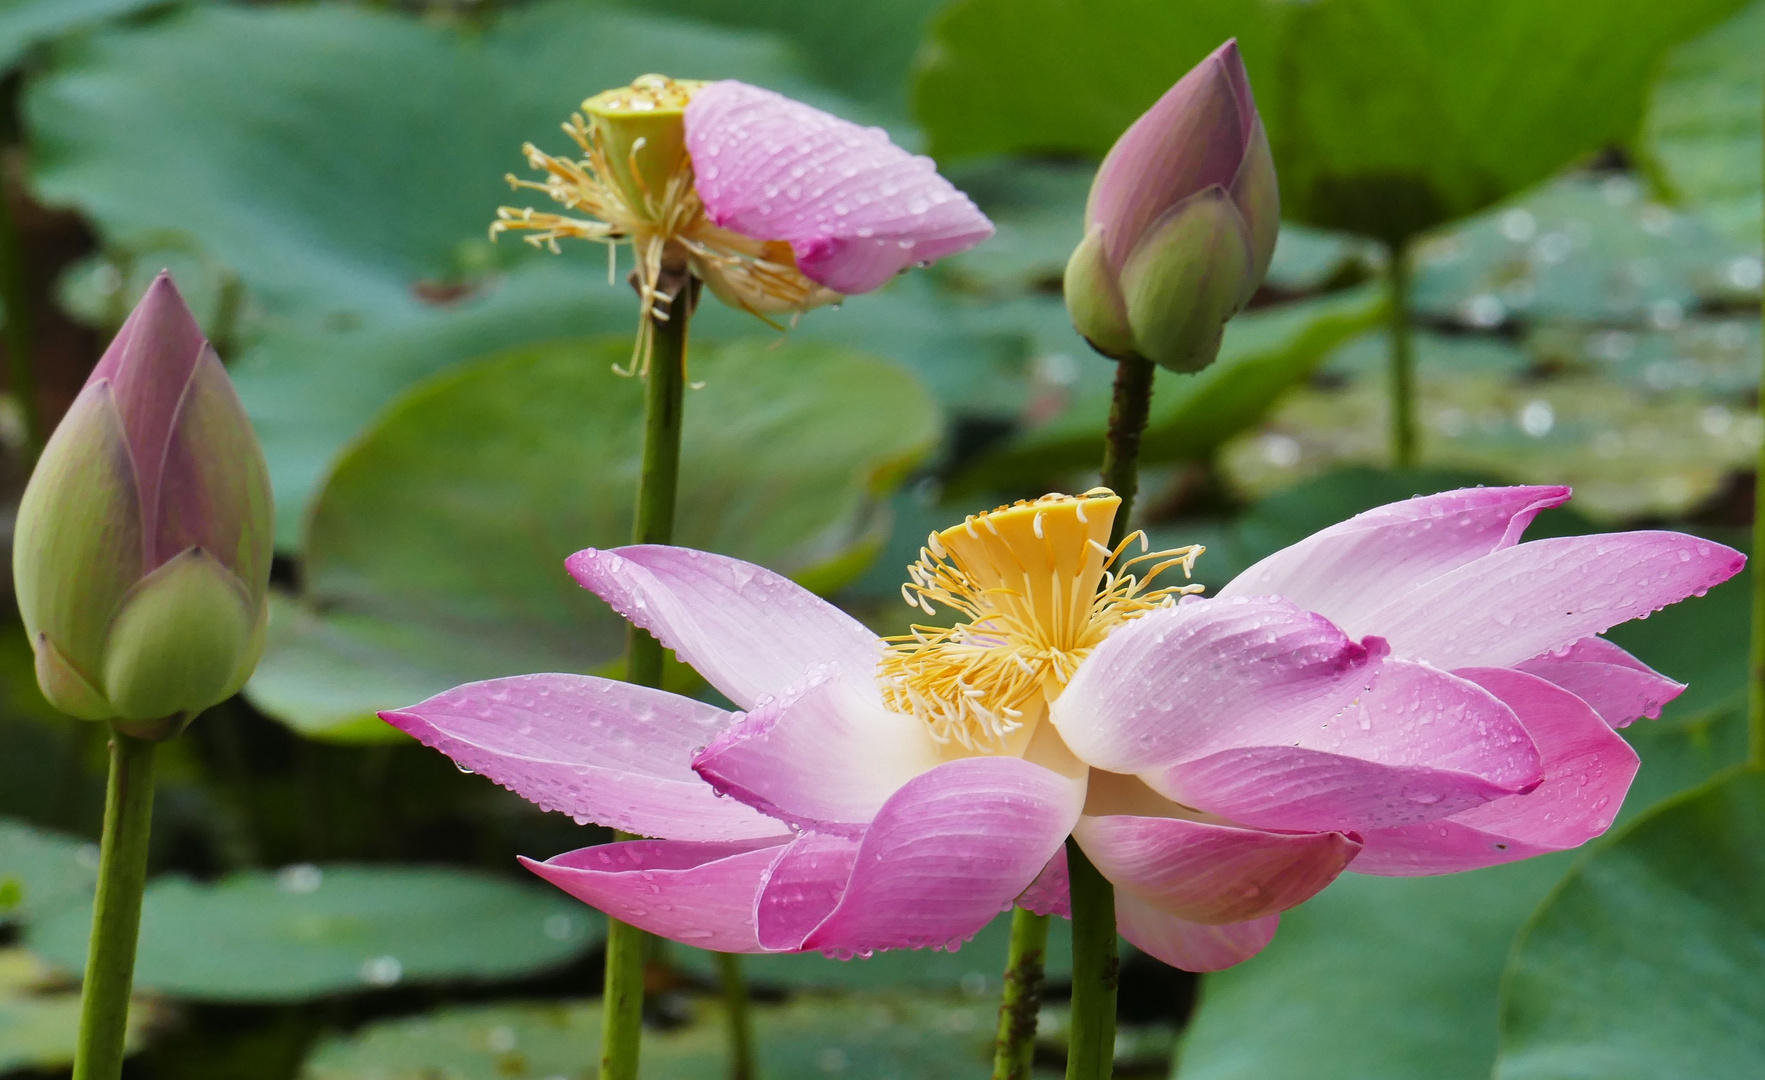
x=141, y=556
x=1220, y=760
x=1181, y=222
x=778, y=207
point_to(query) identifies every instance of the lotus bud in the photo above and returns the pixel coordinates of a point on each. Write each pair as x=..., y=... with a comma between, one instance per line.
x=141, y=554
x=1180, y=224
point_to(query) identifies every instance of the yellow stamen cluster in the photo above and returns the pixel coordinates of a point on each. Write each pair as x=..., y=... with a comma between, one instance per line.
x=634, y=182
x=1038, y=590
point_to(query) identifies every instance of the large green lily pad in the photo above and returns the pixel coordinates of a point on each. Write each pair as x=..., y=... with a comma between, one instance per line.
x=1704, y=128
x=435, y=559
x=1386, y=118
x=1649, y=959
x=1587, y=248
x=871, y=1037
x=40, y=1025
x=863, y=50
x=1629, y=451
x=42, y=871
x=308, y=931
x=25, y=24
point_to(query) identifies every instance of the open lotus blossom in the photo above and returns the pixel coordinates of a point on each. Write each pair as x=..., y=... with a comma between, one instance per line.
x=1411, y=691
x=777, y=206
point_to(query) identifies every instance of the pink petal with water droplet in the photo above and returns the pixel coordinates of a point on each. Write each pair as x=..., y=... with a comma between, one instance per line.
x=820, y=756
x=1519, y=602
x=1587, y=771
x=855, y=208
x=1350, y=569
x=607, y=751
x=698, y=894
x=1620, y=687
x=1190, y=946
x=1212, y=872
x=1184, y=681
x=750, y=632
x=1420, y=744
x=1050, y=893
x=803, y=886
x=950, y=851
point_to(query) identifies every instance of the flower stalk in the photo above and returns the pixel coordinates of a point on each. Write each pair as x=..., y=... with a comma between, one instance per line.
x=665, y=328
x=1022, y=999
x=1090, y=1052
x=116, y=912
x=1756, y=653
x=735, y=1006
x=1403, y=359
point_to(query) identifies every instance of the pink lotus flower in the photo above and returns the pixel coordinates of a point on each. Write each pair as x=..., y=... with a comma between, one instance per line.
x=776, y=206
x=1393, y=694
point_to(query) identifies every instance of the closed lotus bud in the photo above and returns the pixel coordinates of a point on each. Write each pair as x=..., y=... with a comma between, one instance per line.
x=1180, y=224
x=141, y=555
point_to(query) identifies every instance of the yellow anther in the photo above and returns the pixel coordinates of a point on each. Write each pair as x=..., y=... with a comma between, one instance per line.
x=1037, y=590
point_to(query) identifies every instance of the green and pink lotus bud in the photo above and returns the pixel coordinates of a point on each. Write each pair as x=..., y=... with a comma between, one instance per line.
x=1181, y=222
x=141, y=556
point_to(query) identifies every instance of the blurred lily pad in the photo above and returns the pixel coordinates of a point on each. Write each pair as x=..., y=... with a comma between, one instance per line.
x=1037, y=76
x=43, y=871
x=870, y=1037
x=1584, y=249
x=1264, y=354
x=1704, y=130
x=365, y=156
x=308, y=931
x=863, y=50
x=1649, y=959
x=1627, y=452
x=28, y=23
x=40, y=1025
x=1718, y=356
x=434, y=559
x=1479, y=117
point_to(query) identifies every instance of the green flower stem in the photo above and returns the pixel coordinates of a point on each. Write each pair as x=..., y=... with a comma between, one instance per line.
x=116, y=911
x=664, y=402
x=1756, y=654
x=1128, y=411
x=1403, y=359
x=735, y=1007
x=21, y=376
x=1091, y=1049
x=1090, y=1053
x=1016, y=1044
